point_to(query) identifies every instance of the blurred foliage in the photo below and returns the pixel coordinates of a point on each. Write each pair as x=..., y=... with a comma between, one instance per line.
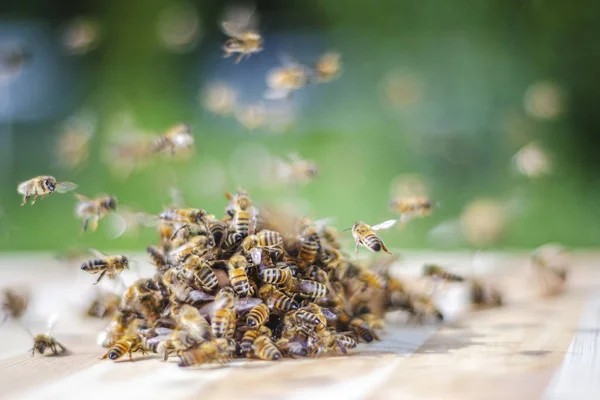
x=473, y=62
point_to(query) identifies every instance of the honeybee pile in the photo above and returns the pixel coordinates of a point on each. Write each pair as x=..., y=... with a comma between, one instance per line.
x=253, y=285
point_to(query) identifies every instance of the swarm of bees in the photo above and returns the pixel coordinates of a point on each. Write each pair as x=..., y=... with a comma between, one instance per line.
x=251, y=285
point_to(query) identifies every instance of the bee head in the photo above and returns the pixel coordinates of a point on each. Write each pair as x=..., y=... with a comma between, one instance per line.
x=40, y=346
x=125, y=261
x=50, y=184
x=111, y=203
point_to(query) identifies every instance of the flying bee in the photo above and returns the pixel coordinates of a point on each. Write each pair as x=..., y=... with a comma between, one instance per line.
x=43, y=186
x=276, y=299
x=129, y=344
x=196, y=325
x=296, y=170
x=257, y=316
x=410, y=207
x=237, y=275
x=216, y=350
x=327, y=67
x=265, y=349
x=275, y=276
x=363, y=235
x=44, y=340
x=72, y=146
x=283, y=80
x=106, y=265
x=223, y=313
x=436, y=271
x=104, y=305
x=92, y=210
x=253, y=244
x=177, y=139
x=14, y=303
x=244, y=36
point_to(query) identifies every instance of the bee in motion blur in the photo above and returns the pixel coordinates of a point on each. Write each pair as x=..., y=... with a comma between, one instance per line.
x=92, y=210
x=45, y=341
x=244, y=38
x=410, y=207
x=295, y=170
x=42, y=186
x=219, y=98
x=72, y=146
x=105, y=265
x=551, y=264
x=14, y=303
x=283, y=80
x=364, y=235
x=327, y=67
x=178, y=139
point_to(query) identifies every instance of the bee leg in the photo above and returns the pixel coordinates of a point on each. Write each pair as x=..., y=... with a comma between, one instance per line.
x=25, y=199
x=94, y=224
x=101, y=276
x=34, y=199
x=62, y=348
x=239, y=58
x=357, y=246
x=85, y=224
x=32, y=352
x=384, y=248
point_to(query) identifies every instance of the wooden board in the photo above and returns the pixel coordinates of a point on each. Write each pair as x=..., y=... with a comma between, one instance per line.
x=531, y=348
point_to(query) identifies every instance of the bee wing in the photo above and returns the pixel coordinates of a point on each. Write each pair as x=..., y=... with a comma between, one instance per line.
x=242, y=306
x=197, y=296
x=51, y=321
x=98, y=254
x=231, y=29
x=321, y=223
x=329, y=313
x=384, y=225
x=64, y=187
x=115, y=225
x=162, y=331
x=256, y=255
x=81, y=197
x=277, y=94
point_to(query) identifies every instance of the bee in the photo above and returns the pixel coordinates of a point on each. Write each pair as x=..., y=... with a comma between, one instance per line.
x=219, y=98
x=14, y=303
x=250, y=336
x=292, y=347
x=363, y=235
x=106, y=265
x=198, y=245
x=72, y=146
x=168, y=341
x=157, y=256
x=92, y=210
x=216, y=350
x=218, y=230
x=275, y=299
x=306, y=318
x=104, y=305
x=129, y=344
x=296, y=170
x=44, y=340
x=177, y=138
x=244, y=37
x=309, y=247
x=203, y=272
x=275, y=276
x=223, y=313
x=257, y=316
x=420, y=307
x=186, y=216
x=308, y=288
x=140, y=293
x=122, y=323
x=283, y=80
x=265, y=349
x=362, y=330
x=327, y=67
x=253, y=244
x=244, y=214
x=196, y=325
x=237, y=275
x=439, y=272
x=484, y=295
x=411, y=206
x=43, y=186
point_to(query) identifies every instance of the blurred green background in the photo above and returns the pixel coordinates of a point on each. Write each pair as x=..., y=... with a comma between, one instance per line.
x=447, y=90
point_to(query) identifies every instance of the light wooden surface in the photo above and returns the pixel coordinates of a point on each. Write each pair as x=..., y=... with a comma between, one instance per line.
x=531, y=348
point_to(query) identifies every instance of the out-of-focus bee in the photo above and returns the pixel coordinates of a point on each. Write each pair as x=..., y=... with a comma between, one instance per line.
x=331, y=341
x=275, y=299
x=257, y=316
x=237, y=275
x=215, y=350
x=14, y=303
x=157, y=256
x=485, y=295
x=105, y=265
x=177, y=139
x=244, y=36
x=72, y=146
x=363, y=235
x=432, y=270
x=252, y=116
x=128, y=221
x=92, y=210
x=219, y=98
x=223, y=314
x=295, y=170
x=43, y=186
x=362, y=330
x=129, y=345
x=551, y=263
x=265, y=349
x=254, y=244
x=327, y=67
x=71, y=255
x=196, y=325
x=292, y=347
x=168, y=341
x=420, y=306
x=45, y=340
x=104, y=305
x=250, y=336
x=283, y=80
x=411, y=206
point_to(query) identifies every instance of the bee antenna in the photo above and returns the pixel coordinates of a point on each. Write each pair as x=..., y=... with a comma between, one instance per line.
x=346, y=229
